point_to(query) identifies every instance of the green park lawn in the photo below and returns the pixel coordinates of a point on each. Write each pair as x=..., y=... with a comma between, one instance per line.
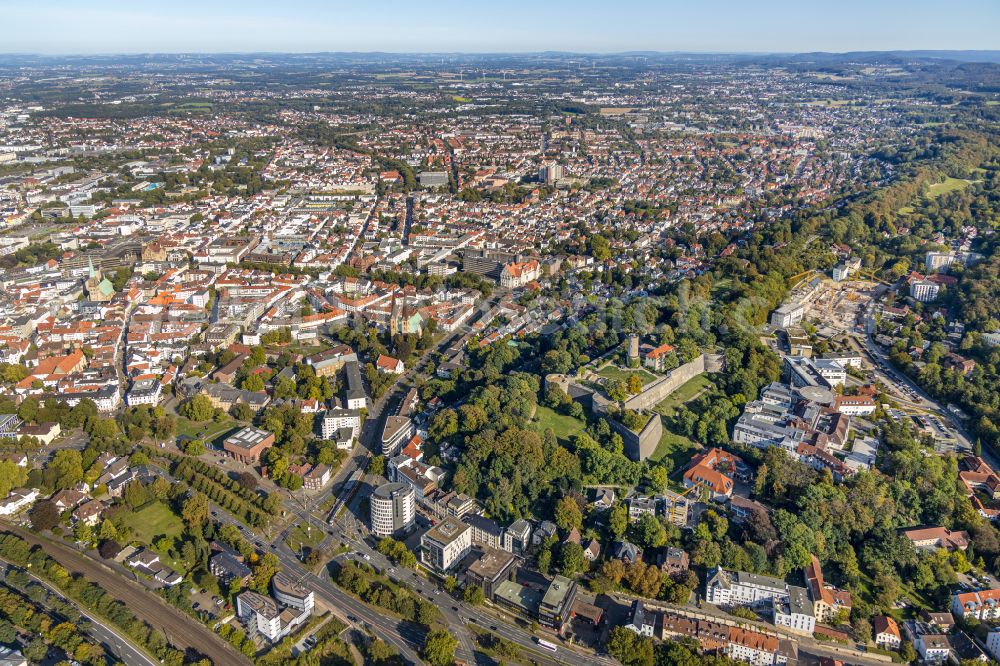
x=614, y=372
x=937, y=189
x=191, y=107
x=213, y=429
x=304, y=349
x=949, y=185
x=152, y=521
x=565, y=427
x=684, y=392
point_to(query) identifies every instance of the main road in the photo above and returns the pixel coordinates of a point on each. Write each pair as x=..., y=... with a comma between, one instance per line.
x=456, y=614
x=406, y=637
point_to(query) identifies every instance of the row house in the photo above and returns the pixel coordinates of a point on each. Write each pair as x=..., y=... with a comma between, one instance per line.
x=737, y=643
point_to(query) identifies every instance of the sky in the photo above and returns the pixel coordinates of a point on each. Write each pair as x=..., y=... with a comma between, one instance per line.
x=590, y=26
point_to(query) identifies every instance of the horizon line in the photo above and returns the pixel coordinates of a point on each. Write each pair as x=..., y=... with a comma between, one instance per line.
x=637, y=52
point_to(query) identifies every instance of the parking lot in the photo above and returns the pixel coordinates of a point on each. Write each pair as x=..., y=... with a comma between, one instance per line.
x=971, y=581
x=892, y=380
x=209, y=603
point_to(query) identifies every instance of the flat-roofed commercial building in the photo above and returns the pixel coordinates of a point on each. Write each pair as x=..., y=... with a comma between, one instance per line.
x=491, y=569
x=518, y=599
x=291, y=593
x=248, y=444
x=554, y=610
x=445, y=544
x=397, y=430
x=787, y=314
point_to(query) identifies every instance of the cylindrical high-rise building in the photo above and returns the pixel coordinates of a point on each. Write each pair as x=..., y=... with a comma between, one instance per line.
x=393, y=509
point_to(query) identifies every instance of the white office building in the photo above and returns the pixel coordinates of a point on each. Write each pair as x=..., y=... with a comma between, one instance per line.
x=787, y=315
x=846, y=359
x=831, y=370
x=292, y=594
x=144, y=392
x=935, y=261
x=822, y=372
x=738, y=588
x=993, y=643
x=843, y=270
x=262, y=615
x=393, y=509
x=795, y=611
x=445, y=544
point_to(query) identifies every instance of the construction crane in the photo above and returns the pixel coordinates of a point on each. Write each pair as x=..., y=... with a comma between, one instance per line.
x=794, y=280
x=872, y=276
x=677, y=497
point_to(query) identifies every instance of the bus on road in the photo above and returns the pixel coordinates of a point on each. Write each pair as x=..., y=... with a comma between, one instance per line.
x=551, y=647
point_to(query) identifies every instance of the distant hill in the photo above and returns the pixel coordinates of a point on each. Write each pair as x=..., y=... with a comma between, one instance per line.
x=962, y=56
x=215, y=59
x=954, y=56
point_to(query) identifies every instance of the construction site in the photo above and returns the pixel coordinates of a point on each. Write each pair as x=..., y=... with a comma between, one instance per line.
x=832, y=307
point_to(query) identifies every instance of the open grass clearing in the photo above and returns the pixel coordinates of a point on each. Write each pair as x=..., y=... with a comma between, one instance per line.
x=565, y=427
x=684, y=392
x=192, y=107
x=828, y=102
x=677, y=448
x=722, y=286
x=614, y=372
x=210, y=431
x=153, y=521
x=948, y=185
